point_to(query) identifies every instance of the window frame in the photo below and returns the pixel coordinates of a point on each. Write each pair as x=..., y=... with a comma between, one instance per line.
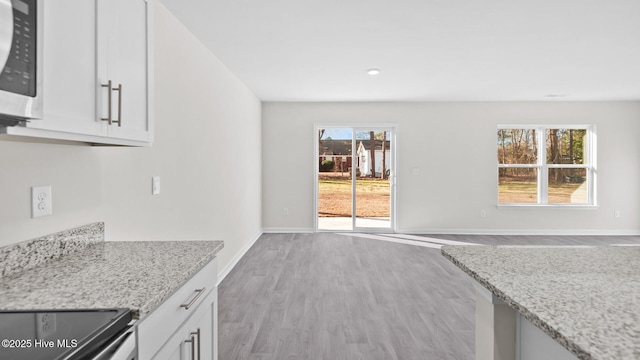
x=543, y=167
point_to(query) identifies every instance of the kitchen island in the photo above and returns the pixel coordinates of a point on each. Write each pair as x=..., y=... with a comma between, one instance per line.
x=585, y=298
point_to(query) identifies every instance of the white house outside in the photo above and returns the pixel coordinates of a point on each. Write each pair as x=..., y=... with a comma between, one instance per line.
x=364, y=158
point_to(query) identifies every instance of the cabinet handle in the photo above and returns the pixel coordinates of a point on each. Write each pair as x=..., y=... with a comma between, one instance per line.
x=109, y=118
x=119, y=90
x=193, y=347
x=197, y=334
x=195, y=298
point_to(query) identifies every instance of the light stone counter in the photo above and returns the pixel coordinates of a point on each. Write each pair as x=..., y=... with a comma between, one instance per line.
x=586, y=298
x=134, y=275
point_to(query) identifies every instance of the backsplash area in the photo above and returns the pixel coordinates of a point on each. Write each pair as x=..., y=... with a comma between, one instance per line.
x=28, y=254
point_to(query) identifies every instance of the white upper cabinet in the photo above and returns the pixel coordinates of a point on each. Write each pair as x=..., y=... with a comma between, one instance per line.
x=69, y=62
x=88, y=44
x=124, y=68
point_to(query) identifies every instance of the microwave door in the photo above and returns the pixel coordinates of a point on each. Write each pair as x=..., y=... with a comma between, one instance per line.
x=6, y=31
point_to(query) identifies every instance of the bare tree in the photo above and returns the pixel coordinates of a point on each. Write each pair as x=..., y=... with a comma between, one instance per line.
x=501, y=136
x=571, y=159
x=372, y=149
x=554, y=154
x=384, y=155
x=535, y=142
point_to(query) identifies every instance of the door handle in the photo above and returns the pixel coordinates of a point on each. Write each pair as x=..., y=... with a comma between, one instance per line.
x=193, y=347
x=197, y=334
x=109, y=118
x=110, y=89
x=119, y=90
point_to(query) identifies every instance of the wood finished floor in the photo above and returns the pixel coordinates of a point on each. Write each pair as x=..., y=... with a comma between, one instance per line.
x=332, y=296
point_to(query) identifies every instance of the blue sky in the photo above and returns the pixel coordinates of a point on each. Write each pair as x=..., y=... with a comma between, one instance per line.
x=343, y=134
x=338, y=134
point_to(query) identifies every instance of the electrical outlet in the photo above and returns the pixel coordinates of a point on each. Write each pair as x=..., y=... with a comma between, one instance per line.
x=616, y=214
x=41, y=204
x=285, y=211
x=483, y=213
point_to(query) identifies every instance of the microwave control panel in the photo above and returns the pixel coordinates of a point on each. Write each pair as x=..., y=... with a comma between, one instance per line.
x=19, y=73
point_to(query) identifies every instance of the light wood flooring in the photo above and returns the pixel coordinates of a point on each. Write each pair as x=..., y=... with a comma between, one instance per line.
x=334, y=296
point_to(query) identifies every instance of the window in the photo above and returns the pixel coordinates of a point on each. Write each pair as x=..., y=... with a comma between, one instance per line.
x=546, y=165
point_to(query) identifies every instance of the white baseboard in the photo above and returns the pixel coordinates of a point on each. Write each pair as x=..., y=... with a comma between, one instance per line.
x=227, y=269
x=287, y=230
x=558, y=232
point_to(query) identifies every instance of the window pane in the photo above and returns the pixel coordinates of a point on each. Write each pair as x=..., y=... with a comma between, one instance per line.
x=566, y=146
x=568, y=186
x=517, y=146
x=517, y=185
x=334, y=179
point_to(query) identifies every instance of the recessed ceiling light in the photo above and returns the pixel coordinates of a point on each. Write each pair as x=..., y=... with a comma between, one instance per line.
x=373, y=71
x=555, y=95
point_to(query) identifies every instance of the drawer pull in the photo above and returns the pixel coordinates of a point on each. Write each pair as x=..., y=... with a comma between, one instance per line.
x=195, y=298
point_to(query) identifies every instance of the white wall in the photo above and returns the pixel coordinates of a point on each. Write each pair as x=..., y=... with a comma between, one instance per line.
x=74, y=172
x=453, y=145
x=206, y=151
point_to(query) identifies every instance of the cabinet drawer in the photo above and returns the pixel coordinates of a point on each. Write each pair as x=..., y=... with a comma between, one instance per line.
x=157, y=327
x=198, y=327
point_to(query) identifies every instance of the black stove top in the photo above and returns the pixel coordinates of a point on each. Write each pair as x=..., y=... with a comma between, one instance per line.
x=59, y=334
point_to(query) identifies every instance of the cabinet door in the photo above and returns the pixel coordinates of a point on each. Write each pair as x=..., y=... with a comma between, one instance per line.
x=124, y=36
x=203, y=330
x=69, y=68
x=174, y=348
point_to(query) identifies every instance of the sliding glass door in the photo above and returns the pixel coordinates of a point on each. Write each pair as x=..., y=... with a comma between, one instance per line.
x=355, y=174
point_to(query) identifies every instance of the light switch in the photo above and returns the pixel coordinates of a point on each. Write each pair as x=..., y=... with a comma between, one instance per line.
x=155, y=185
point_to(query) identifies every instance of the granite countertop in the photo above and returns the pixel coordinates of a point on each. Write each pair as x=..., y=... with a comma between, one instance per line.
x=136, y=275
x=586, y=298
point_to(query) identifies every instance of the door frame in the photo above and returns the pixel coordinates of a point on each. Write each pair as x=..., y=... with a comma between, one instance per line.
x=393, y=177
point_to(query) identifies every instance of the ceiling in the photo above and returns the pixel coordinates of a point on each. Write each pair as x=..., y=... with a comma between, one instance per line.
x=427, y=50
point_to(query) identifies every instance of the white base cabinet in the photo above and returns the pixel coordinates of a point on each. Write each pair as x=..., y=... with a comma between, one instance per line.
x=193, y=340
x=185, y=326
x=534, y=344
x=504, y=334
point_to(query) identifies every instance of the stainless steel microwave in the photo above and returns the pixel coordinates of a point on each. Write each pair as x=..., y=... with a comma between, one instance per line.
x=20, y=60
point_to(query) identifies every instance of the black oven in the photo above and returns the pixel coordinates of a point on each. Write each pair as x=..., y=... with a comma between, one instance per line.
x=67, y=334
x=20, y=60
